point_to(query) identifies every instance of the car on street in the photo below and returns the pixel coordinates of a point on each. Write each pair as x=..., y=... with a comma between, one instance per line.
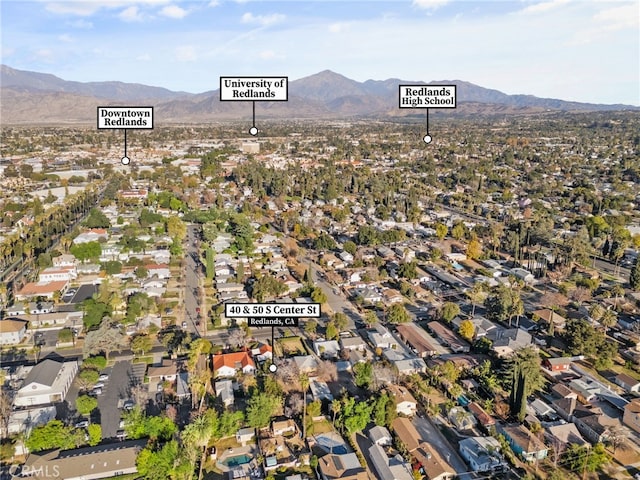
x=121, y=434
x=82, y=423
x=103, y=377
x=128, y=405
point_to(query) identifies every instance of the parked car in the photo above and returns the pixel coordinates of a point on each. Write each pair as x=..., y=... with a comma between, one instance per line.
x=99, y=385
x=97, y=391
x=82, y=423
x=103, y=377
x=184, y=324
x=128, y=405
x=121, y=434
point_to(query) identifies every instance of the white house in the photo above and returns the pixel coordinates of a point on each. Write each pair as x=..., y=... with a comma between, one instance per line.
x=47, y=382
x=481, y=453
x=406, y=404
x=12, y=331
x=224, y=390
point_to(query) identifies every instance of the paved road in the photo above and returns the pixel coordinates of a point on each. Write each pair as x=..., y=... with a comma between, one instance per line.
x=335, y=298
x=192, y=283
x=117, y=387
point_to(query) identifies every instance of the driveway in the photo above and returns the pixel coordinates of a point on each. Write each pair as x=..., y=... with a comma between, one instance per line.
x=430, y=433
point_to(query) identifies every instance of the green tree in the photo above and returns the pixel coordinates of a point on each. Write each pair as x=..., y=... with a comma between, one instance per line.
x=49, y=436
x=363, y=374
x=397, y=313
x=331, y=331
x=97, y=219
x=88, y=377
x=199, y=433
x=350, y=247
x=526, y=379
x=261, y=407
x=86, y=404
x=153, y=465
x=450, y=311
x=86, y=251
x=441, y=231
x=140, y=344
x=95, y=434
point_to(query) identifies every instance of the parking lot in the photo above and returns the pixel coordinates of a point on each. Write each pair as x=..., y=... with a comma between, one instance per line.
x=118, y=387
x=82, y=293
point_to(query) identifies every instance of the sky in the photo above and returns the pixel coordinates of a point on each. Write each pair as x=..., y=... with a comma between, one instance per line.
x=580, y=50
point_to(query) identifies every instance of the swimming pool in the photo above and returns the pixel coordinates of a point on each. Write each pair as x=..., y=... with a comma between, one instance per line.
x=237, y=460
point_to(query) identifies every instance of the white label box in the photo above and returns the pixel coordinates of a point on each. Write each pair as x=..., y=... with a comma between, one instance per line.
x=427, y=96
x=272, y=310
x=112, y=118
x=254, y=89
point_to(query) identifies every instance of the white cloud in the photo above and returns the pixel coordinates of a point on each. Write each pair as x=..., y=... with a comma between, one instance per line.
x=45, y=55
x=619, y=18
x=65, y=38
x=131, y=14
x=338, y=27
x=185, y=53
x=263, y=20
x=543, y=7
x=173, y=11
x=214, y=3
x=89, y=7
x=81, y=24
x=145, y=57
x=430, y=4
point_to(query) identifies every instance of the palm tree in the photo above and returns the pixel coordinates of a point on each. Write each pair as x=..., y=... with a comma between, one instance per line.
x=304, y=384
x=336, y=406
x=609, y=319
x=198, y=434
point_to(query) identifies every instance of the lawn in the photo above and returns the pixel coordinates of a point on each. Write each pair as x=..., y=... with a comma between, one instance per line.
x=290, y=346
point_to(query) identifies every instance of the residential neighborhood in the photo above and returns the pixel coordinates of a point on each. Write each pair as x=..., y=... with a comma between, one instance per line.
x=480, y=314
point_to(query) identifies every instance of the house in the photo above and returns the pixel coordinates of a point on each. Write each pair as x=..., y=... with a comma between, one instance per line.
x=523, y=442
x=102, y=461
x=320, y=390
x=391, y=296
x=47, y=382
x=631, y=416
x=41, y=289
x=306, y=363
x=25, y=420
x=593, y=424
x=54, y=274
x=379, y=435
x=381, y=338
x=485, y=420
x=262, y=353
x=166, y=371
x=461, y=418
x=422, y=344
x=563, y=435
x=158, y=270
x=224, y=390
x=628, y=383
x=92, y=235
x=432, y=464
x=508, y=341
x=229, y=364
x=245, y=435
x=406, y=404
x=557, y=364
x=389, y=468
x=587, y=390
x=12, y=331
x=64, y=260
x=353, y=343
x=482, y=454
x=327, y=348
x=182, y=386
x=283, y=427
x=548, y=316
x=344, y=467
x=448, y=338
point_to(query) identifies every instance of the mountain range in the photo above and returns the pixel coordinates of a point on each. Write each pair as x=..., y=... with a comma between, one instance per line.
x=41, y=98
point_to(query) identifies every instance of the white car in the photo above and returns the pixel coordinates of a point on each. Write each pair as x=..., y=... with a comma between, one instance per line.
x=98, y=385
x=103, y=377
x=82, y=424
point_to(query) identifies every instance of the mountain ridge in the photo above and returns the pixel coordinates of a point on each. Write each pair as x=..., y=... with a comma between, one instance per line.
x=33, y=97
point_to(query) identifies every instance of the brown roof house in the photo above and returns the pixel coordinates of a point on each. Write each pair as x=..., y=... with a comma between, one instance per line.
x=102, y=461
x=345, y=467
